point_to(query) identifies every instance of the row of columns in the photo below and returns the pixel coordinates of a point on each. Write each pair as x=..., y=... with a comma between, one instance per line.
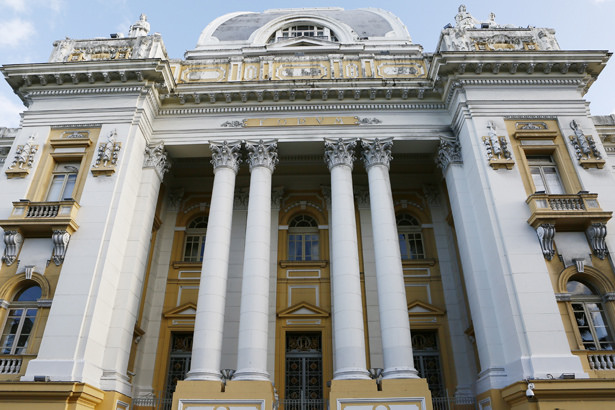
x=348, y=329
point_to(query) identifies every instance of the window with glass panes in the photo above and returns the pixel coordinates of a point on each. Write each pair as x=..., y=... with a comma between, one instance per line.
x=304, y=30
x=303, y=239
x=20, y=321
x=194, y=246
x=590, y=317
x=63, y=181
x=545, y=174
x=410, y=237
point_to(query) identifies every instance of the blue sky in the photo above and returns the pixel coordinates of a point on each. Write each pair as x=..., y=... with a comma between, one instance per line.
x=28, y=28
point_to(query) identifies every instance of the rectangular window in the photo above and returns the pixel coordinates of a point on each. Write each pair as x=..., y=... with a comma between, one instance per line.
x=17, y=330
x=545, y=174
x=63, y=181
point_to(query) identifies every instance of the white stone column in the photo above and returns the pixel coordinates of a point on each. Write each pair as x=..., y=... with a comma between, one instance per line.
x=254, y=313
x=394, y=320
x=209, y=321
x=348, y=326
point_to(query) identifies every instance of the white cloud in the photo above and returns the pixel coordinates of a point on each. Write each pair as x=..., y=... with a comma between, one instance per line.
x=17, y=5
x=16, y=31
x=9, y=112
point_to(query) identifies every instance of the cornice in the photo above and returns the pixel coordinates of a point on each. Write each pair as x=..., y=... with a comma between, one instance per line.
x=300, y=107
x=69, y=78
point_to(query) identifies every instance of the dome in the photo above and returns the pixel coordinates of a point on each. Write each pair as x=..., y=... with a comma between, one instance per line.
x=330, y=25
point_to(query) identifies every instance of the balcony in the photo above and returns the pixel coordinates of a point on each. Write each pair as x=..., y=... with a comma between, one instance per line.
x=40, y=219
x=12, y=367
x=568, y=212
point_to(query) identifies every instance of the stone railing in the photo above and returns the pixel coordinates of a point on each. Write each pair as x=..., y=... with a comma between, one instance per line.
x=601, y=361
x=42, y=211
x=570, y=211
x=10, y=364
x=42, y=218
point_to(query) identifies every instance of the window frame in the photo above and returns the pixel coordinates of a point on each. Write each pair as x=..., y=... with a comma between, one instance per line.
x=410, y=229
x=584, y=300
x=200, y=233
x=534, y=163
x=304, y=234
x=25, y=306
x=55, y=173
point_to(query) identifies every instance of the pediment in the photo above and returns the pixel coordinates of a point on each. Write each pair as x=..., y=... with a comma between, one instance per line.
x=302, y=42
x=185, y=310
x=303, y=310
x=418, y=308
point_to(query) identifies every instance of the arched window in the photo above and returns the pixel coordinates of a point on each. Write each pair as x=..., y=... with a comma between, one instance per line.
x=410, y=237
x=303, y=243
x=303, y=30
x=589, y=316
x=20, y=320
x=195, y=239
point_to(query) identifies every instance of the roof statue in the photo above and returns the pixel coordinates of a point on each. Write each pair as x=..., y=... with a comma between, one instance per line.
x=472, y=34
x=140, y=28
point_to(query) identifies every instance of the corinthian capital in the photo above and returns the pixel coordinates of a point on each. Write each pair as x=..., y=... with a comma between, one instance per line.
x=156, y=157
x=449, y=152
x=377, y=152
x=262, y=154
x=339, y=152
x=225, y=155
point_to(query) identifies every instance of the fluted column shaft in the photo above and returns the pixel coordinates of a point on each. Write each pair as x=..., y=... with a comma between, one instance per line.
x=394, y=321
x=209, y=321
x=348, y=326
x=254, y=314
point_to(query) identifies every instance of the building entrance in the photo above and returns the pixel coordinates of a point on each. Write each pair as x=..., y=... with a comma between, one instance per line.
x=304, y=386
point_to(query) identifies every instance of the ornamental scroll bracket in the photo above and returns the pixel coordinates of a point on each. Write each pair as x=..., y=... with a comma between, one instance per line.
x=107, y=156
x=498, y=154
x=596, y=234
x=546, y=233
x=12, y=241
x=585, y=148
x=24, y=159
x=60, y=239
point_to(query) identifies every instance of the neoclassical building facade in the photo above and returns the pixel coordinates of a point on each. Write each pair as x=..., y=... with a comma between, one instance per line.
x=309, y=211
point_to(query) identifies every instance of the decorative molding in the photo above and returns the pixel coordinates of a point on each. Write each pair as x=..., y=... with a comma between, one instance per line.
x=80, y=91
x=241, y=123
x=225, y=155
x=241, y=198
x=449, y=152
x=69, y=126
x=24, y=159
x=609, y=297
x=29, y=270
x=432, y=194
x=262, y=154
x=377, y=152
x=498, y=154
x=521, y=82
x=296, y=107
x=339, y=152
x=175, y=198
x=596, y=234
x=546, y=233
x=530, y=117
x=60, y=239
x=108, y=153
x=12, y=241
x=585, y=148
x=277, y=193
x=368, y=121
x=563, y=297
x=156, y=157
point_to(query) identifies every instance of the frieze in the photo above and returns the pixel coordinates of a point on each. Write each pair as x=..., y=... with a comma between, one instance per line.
x=498, y=154
x=24, y=159
x=300, y=121
x=585, y=148
x=108, y=153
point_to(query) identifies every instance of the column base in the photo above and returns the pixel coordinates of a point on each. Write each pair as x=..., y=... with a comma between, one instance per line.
x=50, y=396
x=394, y=394
x=247, y=394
